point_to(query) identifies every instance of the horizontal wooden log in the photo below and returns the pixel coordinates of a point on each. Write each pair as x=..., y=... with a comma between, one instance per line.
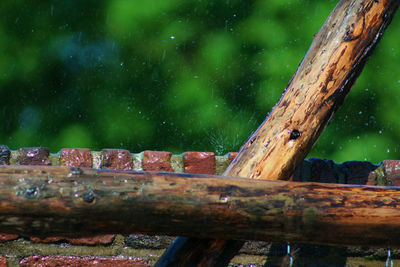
x=45, y=200
x=316, y=91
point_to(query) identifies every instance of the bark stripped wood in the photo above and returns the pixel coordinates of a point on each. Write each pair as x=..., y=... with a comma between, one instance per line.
x=328, y=71
x=38, y=200
x=318, y=88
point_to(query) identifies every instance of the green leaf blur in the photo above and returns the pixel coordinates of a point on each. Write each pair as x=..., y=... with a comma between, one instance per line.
x=177, y=75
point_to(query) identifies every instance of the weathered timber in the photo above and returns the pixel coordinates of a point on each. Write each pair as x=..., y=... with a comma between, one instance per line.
x=43, y=200
x=328, y=71
x=318, y=88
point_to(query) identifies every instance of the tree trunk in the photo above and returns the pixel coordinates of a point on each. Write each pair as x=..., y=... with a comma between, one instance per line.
x=318, y=88
x=43, y=200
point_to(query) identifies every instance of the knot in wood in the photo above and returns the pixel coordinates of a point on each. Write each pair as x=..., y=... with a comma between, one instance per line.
x=295, y=134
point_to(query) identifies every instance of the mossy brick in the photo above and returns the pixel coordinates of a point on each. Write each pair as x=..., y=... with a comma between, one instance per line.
x=33, y=156
x=137, y=161
x=5, y=155
x=157, y=161
x=54, y=159
x=76, y=157
x=177, y=163
x=200, y=162
x=14, y=157
x=97, y=159
x=140, y=241
x=379, y=178
x=83, y=261
x=117, y=159
x=221, y=163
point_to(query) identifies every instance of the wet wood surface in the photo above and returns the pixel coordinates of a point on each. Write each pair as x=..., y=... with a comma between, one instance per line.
x=318, y=88
x=316, y=91
x=43, y=200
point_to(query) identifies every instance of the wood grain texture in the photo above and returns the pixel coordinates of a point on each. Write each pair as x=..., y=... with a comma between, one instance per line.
x=42, y=200
x=318, y=88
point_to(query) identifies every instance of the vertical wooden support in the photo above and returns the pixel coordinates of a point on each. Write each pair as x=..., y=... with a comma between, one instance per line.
x=318, y=88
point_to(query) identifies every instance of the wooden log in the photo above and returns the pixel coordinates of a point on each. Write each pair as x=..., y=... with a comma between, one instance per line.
x=43, y=200
x=328, y=71
x=318, y=88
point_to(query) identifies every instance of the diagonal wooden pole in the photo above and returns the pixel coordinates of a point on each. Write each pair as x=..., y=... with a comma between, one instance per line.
x=315, y=92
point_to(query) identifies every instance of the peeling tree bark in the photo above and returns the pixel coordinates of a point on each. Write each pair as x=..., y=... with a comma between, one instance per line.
x=316, y=91
x=45, y=200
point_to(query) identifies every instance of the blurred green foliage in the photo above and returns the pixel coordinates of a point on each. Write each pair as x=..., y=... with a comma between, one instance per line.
x=177, y=75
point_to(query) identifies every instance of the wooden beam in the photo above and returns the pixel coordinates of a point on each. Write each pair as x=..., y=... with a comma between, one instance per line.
x=318, y=88
x=43, y=200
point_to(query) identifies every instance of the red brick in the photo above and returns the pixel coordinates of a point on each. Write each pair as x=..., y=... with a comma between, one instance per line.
x=58, y=261
x=113, y=158
x=157, y=161
x=200, y=162
x=3, y=261
x=96, y=240
x=50, y=239
x=76, y=157
x=7, y=237
x=372, y=178
x=392, y=172
x=34, y=156
x=232, y=156
x=117, y=159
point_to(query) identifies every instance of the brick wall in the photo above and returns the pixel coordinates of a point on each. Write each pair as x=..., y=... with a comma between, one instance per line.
x=142, y=250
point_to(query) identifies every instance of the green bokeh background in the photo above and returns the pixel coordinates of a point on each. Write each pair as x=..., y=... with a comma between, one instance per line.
x=177, y=75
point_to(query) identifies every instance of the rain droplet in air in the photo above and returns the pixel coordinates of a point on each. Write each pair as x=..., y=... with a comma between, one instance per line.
x=223, y=199
x=289, y=254
x=389, y=261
